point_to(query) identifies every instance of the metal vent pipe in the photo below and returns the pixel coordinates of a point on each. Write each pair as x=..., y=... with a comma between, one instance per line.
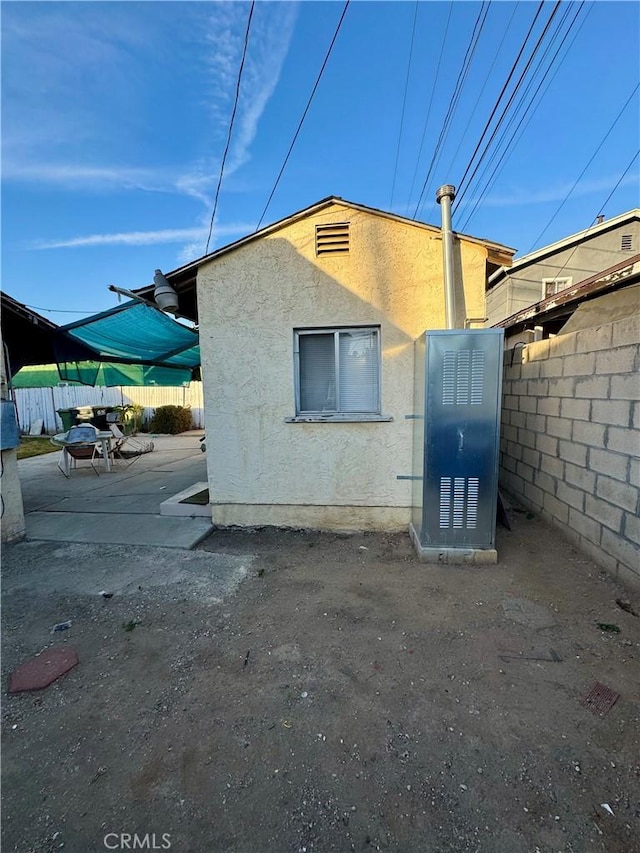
x=444, y=196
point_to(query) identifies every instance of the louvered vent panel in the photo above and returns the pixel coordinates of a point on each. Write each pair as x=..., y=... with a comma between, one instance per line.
x=626, y=243
x=477, y=377
x=463, y=378
x=331, y=239
x=445, y=503
x=473, y=486
x=449, y=378
x=459, y=505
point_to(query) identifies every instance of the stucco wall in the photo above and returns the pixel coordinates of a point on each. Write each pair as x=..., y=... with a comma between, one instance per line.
x=329, y=475
x=571, y=438
x=521, y=288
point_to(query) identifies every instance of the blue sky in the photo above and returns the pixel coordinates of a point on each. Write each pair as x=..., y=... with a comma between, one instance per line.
x=115, y=116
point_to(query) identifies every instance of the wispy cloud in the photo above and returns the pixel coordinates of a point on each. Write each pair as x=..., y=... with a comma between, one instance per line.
x=554, y=192
x=143, y=238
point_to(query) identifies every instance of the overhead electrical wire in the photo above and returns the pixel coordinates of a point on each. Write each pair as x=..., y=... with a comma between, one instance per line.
x=602, y=207
x=528, y=112
x=233, y=115
x=462, y=187
x=433, y=90
x=462, y=76
x=404, y=104
x=304, y=115
x=590, y=161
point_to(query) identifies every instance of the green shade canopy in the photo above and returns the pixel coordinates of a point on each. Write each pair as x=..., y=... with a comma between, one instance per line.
x=138, y=333
x=100, y=373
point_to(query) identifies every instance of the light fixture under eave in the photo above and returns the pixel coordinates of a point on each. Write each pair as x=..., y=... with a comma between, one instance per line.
x=165, y=296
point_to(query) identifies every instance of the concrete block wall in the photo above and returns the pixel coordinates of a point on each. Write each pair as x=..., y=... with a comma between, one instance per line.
x=570, y=442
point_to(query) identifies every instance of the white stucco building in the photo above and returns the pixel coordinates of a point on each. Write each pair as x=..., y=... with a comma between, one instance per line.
x=307, y=333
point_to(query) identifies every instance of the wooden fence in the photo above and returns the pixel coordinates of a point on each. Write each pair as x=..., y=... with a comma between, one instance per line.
x=36, y=403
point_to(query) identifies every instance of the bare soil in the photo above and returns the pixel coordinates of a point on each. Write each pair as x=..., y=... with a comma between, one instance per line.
x=345, y=697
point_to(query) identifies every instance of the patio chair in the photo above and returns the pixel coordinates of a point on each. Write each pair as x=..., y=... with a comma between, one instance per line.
x=78, y=443
x=126, y=447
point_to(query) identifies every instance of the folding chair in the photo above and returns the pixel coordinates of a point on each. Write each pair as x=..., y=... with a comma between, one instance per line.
x=78, y=443
x=127, y=448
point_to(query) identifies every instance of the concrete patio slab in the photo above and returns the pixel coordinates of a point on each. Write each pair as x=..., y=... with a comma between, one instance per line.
x=119, y=507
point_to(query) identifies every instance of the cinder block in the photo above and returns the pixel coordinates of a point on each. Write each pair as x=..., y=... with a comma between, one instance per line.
x=625, y=387
x=588, y=433
x=547, y=444
x=593, y=387
x=579, y=365
x=620, y=494
x=632, y=527
x=576, y=409
x=514, y=450
x=525, y=471
x=623, y=440
x=538, y=387
x=519, y=387
x=549, y=406
x=622, y=549
x=536, y=423
x=604, y=512
x=509, y=463
x=617, y=412
x=538, y=351
x=531, y=370
x=518, y=419
x=626, y=331
x=562, y=387
x=570, y=495
x=571, y=452
x=551, y=368
x=619, y=360
x=562, y=345
x=510, y=401
x=634, y=472
x=510, y=433
x=545, y=482
x=577, y=476
x=528, y=404
x=612, y=464
x=597, y=338
x=585, y=526
x=554, y=467
x=559, y=427
x=513, y=483
x=533, y=494
x=527, y=438
x=557, y=509
x=531, y=457
x=636, y=416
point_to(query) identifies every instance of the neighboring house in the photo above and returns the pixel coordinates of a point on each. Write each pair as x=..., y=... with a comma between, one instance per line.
x=561, y=265
x=307, y=332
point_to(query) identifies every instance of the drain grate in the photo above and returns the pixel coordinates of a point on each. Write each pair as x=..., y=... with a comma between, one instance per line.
x=600, y=699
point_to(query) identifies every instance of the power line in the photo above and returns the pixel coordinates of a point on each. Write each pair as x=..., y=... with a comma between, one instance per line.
x=504, y=111
x=433, y=90
x=591, y=159
x=462, y=76
x=602, y=207
x=528, y=113
x=404, y=103
x=233, y=115
x=304, y=115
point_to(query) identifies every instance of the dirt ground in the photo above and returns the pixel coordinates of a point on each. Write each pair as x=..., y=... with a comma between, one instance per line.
x=342, y=697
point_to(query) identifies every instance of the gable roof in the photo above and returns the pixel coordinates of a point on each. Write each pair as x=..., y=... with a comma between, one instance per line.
x=185, y=276
x=565, y=243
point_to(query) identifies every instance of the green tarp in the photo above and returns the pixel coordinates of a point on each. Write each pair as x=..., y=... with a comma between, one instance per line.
x=103, y=374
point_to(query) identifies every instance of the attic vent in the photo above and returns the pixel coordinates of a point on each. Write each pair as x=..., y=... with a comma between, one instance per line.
x=333, y=238
x=626, y=242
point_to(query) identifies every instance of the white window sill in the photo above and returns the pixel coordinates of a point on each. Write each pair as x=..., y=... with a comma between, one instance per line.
x=338, y=418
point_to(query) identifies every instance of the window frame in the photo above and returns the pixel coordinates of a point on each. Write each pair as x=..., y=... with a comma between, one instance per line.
x=306, y=416
x=552, y=280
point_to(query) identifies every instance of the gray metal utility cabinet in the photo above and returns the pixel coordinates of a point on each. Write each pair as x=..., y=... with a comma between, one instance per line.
x=456, y=444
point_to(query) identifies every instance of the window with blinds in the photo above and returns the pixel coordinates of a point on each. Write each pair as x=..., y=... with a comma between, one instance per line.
x=337, y=371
